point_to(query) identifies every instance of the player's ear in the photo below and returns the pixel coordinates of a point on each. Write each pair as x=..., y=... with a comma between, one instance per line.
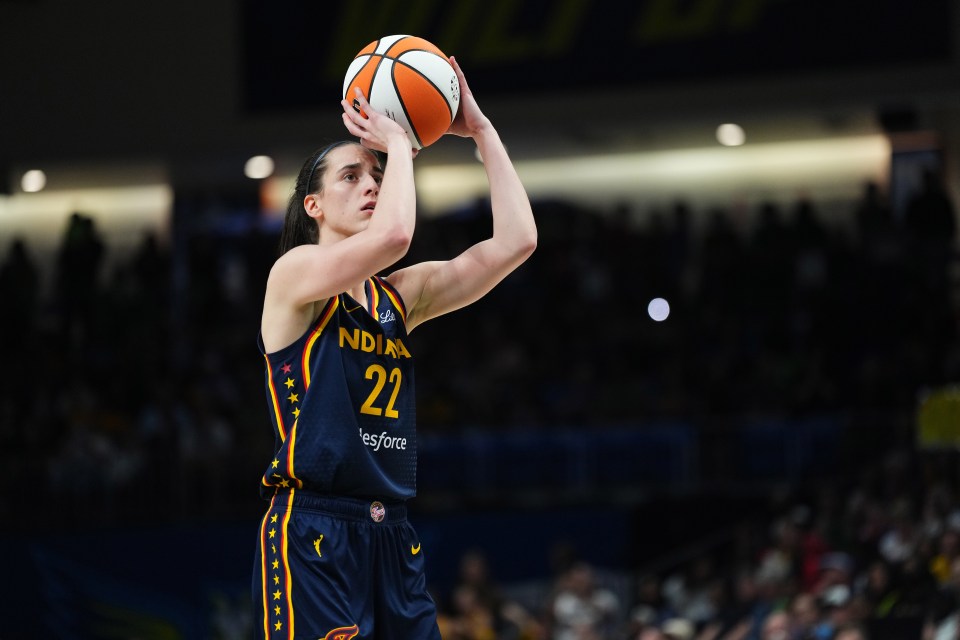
x=311, y=204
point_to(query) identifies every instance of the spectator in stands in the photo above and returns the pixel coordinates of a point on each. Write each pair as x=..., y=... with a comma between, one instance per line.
x=78, y=271
x=804, y=615
x=478, y=601
x=581, y=609
x=651, y=633
x=901, y=540
x=678, y=629
x=836, y=610
x=776, y=626
x=942, y=616
x=836, y=570
x=851, y=632
x=19, y=312
x=947, y=554
x=470, y=617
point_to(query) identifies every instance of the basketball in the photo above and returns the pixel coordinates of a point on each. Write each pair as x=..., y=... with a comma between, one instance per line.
x=409, y=80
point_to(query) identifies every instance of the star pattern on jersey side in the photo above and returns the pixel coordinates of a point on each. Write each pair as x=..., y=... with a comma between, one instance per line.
x=289, y=407
x=275, y=565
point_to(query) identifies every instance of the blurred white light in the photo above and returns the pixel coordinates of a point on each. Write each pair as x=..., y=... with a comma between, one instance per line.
x=731, y=135
x=258, y=167
x=827, y=169
x=658, y=309
x=33, y=181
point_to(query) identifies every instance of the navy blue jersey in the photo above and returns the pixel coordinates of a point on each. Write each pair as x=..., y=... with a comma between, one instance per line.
x=341, y=400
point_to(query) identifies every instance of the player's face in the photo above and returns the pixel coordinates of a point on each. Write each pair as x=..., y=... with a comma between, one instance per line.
x=351, y=186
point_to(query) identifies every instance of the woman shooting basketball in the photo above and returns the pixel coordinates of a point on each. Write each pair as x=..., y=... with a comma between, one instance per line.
x=336, y=556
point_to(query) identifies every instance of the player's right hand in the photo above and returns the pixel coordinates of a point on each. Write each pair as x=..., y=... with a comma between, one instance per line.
x=375, y=130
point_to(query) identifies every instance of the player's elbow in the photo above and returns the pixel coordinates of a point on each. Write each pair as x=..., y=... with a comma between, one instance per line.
x=396, y=240
x=526, y=245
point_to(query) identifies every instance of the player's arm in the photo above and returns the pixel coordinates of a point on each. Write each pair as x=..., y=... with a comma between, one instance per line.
x=314, y=272
x=431, y=289
x=311, y=273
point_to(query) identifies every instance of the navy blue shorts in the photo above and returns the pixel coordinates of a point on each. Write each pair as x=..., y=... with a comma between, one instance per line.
x=337, y=568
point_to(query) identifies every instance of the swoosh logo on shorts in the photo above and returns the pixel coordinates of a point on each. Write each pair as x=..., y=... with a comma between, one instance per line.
x=415, y=549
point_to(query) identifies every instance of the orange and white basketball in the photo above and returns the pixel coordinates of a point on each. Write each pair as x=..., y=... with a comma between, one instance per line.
x=411, y=81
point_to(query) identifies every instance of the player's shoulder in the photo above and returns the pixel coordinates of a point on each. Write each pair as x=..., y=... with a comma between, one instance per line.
x=409, y=281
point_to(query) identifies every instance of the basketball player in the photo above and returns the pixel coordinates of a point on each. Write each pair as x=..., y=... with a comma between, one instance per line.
x=336, y=557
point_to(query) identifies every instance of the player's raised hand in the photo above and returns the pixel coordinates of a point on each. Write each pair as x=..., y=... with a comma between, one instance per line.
x=470, y=119
x=372, y=127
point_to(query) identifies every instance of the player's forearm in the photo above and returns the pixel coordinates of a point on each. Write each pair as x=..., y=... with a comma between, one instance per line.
x=513, y=223
x=396, y=210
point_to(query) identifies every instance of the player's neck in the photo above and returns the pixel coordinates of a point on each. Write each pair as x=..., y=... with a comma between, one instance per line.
x=358, y=292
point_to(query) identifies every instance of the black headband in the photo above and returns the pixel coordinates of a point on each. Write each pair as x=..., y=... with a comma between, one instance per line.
x=320, y=156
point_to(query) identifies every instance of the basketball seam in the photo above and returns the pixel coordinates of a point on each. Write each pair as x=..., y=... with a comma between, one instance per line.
x=386, y=53
x=373, y=77
x=403, y=103
x=373, y=52
x=395, y=43
x=353, y=78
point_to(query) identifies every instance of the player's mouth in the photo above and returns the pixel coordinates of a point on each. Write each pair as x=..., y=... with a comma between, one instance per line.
x=370, y=206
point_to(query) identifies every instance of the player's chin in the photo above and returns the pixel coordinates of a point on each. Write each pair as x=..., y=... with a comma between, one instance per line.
x=364, y=220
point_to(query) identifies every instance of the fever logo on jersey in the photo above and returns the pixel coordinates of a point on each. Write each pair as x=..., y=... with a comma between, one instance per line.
x=342, y=633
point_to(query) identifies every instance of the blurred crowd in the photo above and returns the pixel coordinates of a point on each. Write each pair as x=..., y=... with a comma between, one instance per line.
x=142, y=385
x=136, y=394
x=877, y=558
x=784, y=313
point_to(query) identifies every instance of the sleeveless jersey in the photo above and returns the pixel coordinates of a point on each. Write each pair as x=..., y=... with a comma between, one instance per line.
x=341, y=399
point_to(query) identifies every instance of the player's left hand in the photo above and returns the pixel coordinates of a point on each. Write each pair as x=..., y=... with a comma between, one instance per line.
x=470, y=119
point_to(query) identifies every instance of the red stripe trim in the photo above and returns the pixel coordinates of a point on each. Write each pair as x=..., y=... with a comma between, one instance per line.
x=374, y=299
x=264, y=583
x=275, y=400
x=286, y=565
x=324, y=319
x=291, y=446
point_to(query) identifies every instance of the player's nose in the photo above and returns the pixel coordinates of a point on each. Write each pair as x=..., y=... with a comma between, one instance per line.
x=370, y=184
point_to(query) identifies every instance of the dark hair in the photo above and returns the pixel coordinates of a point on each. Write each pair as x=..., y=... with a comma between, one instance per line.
x=298, y=227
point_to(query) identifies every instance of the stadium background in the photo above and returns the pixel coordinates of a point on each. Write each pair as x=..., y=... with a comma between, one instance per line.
x=132, y=430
